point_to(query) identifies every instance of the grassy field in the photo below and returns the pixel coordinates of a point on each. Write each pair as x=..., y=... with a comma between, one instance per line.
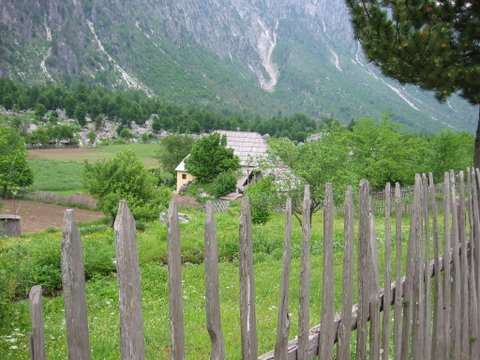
x=40, y=252
x=60, y=170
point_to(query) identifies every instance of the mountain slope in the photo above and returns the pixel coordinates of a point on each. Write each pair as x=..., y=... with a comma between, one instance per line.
x=257, y=56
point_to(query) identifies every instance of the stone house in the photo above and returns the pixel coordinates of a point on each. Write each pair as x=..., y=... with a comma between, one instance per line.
x=250, y=147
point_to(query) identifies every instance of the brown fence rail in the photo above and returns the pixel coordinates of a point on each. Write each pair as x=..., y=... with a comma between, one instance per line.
x=431, y=319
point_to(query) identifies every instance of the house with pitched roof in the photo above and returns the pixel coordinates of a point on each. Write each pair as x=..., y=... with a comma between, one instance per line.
x=250, y=147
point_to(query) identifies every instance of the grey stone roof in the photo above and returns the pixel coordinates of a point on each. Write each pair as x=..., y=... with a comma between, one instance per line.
x=250, y=147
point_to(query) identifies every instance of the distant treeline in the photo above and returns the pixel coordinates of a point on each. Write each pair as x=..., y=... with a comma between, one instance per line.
x=80, y=99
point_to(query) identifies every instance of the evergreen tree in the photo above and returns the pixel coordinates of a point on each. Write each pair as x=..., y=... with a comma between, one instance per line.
x=432, y=44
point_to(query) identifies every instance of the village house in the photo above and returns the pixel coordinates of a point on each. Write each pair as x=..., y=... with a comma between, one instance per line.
x=250, y=147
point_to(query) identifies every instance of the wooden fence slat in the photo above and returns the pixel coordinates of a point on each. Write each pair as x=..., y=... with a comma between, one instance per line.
x=373, y=285
x=304, y=291
x=344, y=328
x=175, y=294
x=438, y=337
x=472, y=284
x=37, y=336
x=418, y=295
x=73, y=282
x=129, y=294
x=408, y=299
x=212, y=295
x=456, y=303
x=283, y=323
x=387, y=277
x=363, y=267
x=476, y=186
x=427, y=333
x=398, y=272
x=328, y=302
x=447, y=272
x=247, y=288
x=465, y=337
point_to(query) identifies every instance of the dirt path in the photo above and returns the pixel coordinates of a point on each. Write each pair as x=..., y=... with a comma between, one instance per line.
x=37, y=216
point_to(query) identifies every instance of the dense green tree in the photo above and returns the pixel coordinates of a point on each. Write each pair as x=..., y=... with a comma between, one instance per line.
x=125, y=177
x=328, y=158
x=432, y=44
x=450, y=150
x=173, y=149
x=384, y=154
x=210, y=157
x=14, y=168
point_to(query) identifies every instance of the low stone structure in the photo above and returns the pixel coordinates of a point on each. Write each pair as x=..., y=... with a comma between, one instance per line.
x=9, y=225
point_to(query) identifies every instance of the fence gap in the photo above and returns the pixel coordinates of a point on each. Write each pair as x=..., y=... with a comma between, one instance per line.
x=73, y=282
x=212, y=296
x=37, y=336
x=304, y=291
x=247, y=288
x=283, y=323
x=175, y=295
x=328, y=304
x=345, y=326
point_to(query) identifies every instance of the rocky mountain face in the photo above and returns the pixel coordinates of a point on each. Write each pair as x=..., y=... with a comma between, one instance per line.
x=256, y=56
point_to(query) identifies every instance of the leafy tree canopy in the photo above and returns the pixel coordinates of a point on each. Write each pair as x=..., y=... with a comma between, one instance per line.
x=432, y=44
x=210, y=157
x=173, y=149
x=14, y=168
x=125, y=177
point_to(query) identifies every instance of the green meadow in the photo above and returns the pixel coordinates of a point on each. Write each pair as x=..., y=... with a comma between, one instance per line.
x=60, y=170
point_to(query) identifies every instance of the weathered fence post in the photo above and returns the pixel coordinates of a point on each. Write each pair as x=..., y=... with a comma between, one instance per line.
x=283, y=326
x=328, y=305
x=363, y=267
x=387, y=276
x=472, y=283
x=129, y=295
x=304, y=291
x=73, y=281
x=175, y=296
x=439, y=348
x=345, y=326
x=212, y=296
x=37, y=336
x=398, y=273
x=456, y=306
x=247, y=286
x=465, y=333
x=447, y=260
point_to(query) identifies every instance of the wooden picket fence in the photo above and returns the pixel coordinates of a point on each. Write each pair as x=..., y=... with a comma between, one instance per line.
x=434, y=307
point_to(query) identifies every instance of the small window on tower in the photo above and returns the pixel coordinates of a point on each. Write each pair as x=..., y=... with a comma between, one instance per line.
x=184, y=176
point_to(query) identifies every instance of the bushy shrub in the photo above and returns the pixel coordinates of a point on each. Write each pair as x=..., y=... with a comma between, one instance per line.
x=264, y=198
x=125, y=177
x=225, y=183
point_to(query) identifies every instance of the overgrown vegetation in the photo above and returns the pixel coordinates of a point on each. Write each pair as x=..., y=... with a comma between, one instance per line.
x=14, y=169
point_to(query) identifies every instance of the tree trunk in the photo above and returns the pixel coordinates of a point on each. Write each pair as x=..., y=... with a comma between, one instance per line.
x=476, y=151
